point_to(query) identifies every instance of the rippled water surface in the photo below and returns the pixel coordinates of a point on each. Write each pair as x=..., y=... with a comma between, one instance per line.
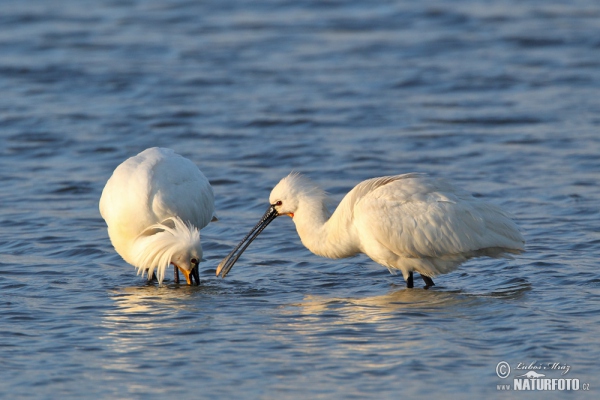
x=502, y=97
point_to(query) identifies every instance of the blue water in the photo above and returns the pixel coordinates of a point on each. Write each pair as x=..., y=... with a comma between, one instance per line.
x=502, y=97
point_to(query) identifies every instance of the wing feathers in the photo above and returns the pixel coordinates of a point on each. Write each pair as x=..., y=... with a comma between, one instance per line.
x=417, y=217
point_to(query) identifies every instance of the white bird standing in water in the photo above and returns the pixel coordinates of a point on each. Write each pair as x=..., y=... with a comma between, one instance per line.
x=411, y=223
x=154, y=204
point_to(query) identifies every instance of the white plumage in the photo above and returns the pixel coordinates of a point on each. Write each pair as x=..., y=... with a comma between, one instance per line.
x=408, y=222
x=154, y=204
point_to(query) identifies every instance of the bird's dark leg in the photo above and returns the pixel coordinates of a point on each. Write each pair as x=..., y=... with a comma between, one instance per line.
x=409, y=281
x=176, y=277
x=154, y=278
x=428, y=281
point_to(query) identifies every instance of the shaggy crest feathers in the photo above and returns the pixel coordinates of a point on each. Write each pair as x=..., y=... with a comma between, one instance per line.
x=156, y=246
x=299, y=185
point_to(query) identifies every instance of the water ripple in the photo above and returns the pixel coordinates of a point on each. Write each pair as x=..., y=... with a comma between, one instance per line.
x=502, y=99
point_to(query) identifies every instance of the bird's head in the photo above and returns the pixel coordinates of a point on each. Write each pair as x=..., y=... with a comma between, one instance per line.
x=170, y=242
x=287, y=196
x=293, y=195
x=284, y=196
x=187, y=258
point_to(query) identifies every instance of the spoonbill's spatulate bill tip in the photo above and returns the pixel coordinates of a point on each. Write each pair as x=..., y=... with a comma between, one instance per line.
x=154, y=205
x=411, y=223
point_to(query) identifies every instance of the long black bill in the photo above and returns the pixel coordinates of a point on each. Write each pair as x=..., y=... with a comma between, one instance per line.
x=196, y=274
x=227, y=263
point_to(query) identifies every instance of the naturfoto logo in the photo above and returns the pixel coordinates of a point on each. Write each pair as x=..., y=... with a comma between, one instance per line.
x=529, y=376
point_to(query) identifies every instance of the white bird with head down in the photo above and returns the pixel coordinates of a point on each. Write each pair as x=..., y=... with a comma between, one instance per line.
x=154, y=204
x=411, y=223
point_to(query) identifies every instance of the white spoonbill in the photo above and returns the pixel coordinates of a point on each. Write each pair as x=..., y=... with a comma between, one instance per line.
x=154, y=204
x=408, y=222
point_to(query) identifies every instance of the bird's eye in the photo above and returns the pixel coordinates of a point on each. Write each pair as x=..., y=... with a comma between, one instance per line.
x=278, y=203
x=194, y=261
